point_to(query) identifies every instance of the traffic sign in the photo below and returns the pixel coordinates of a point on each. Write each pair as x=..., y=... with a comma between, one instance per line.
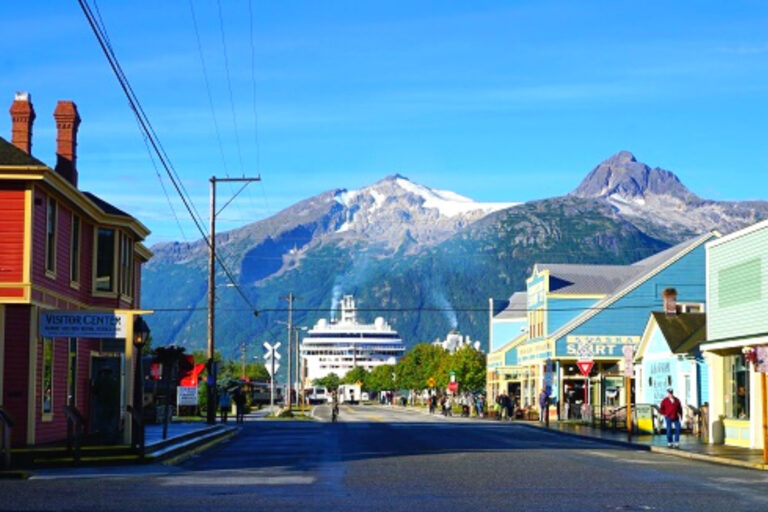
x=431, y=382
x=585, y=367
x=453, y=386
x=272, y=368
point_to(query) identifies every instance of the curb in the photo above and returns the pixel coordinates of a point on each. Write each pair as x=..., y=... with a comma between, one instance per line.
x=171, y=459
x=15, y=475
x=614, y=442
x=712, y=459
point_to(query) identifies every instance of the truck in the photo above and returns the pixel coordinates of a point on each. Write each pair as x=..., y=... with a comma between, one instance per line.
x=349, y=393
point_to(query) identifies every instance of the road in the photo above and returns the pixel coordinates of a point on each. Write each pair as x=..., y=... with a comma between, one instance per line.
x=390, y=459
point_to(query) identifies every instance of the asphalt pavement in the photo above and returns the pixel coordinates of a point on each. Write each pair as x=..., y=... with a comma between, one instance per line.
x=390, y=459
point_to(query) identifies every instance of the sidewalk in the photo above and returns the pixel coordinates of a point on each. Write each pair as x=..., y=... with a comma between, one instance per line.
x=690, y=446
x=183, y=439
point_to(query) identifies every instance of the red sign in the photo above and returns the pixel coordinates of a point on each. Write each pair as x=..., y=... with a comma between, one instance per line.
x=453, y=387
x=585, y=367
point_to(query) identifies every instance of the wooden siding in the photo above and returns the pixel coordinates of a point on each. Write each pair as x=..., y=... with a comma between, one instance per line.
x=12, y=239
x=729, y=264
x=16, y=368
x=629, y=314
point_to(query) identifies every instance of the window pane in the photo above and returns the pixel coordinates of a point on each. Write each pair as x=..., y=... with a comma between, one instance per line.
x=47, y=388
x=72, y=372
x=736, y=387
x=50, y=236
x=74, y=271
x=105, y=260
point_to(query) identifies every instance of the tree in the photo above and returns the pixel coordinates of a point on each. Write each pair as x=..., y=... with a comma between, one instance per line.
x=381, y=378
x=358, y=373
x=331, y=382
x=419, y=364
x=469, y=366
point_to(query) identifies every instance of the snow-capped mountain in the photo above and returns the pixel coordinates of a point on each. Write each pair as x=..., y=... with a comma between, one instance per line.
x=429, y=258
x=657, y=201
x=396, y=211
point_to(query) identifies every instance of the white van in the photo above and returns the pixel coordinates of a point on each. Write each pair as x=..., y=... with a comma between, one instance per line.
x=316, y=395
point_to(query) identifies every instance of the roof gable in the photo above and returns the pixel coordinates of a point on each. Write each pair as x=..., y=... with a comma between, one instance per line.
x=10, y=155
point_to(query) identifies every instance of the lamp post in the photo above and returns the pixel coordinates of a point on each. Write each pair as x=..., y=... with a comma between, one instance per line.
x=140, y=338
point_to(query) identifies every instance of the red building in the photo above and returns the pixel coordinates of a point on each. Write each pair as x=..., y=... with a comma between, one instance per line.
x=61, y=250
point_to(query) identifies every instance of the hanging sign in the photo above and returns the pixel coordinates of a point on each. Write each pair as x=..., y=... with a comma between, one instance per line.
x=629, y=361
x=82, y=324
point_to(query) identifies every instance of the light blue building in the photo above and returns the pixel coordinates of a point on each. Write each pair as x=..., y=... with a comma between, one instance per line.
x=593, y=311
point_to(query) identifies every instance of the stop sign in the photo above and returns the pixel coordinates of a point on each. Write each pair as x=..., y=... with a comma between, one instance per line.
x=453, y=387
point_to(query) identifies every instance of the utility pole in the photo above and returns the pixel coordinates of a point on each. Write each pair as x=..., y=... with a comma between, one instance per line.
x=212, y=395
x=290, y=352
x=242, y=359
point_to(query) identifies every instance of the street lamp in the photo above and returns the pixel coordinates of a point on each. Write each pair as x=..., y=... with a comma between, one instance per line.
x=140, y=338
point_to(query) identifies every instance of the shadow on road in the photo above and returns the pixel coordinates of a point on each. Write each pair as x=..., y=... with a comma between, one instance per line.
x=304, y=445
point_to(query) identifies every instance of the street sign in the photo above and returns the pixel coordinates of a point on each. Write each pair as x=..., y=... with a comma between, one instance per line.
x=431, y=382
x=271, y=368
x=585, y=367
x=453, y=386
x=629, y=361
x=186, y=395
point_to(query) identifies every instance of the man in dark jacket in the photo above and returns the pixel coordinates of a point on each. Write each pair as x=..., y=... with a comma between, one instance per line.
x=672, y=410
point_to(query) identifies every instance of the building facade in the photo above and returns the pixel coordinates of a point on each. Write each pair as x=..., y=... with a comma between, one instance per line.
x=61, y=249
x=737, y=301
x=594, y=311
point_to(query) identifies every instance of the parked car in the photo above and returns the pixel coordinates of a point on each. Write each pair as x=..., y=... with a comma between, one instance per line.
x=364, y=397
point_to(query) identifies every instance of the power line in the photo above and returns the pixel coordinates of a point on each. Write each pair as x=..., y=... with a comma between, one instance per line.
x=229, y=87
x=461, y=309
x=149, y=132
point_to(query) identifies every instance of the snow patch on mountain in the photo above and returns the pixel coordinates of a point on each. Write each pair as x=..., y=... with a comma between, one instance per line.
x=449, y=203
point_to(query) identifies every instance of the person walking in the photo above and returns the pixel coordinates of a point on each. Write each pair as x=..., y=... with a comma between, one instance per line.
x=239, y=406
x=672, y=410
x=225, y=404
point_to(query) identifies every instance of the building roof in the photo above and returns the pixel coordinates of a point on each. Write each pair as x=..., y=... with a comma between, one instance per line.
x=516, y=307
x=590, y=279
x=11, y=155
x=105, y=206
x=684, y=332
x=609, y=279
x=641, y=272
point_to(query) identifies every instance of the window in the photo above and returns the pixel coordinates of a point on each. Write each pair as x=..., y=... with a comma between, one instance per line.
x=126, y=265
x=736, y=387
x=74, y=251
x=50, y=236
x=105, y=260
x=72, y=372
x=47, y=387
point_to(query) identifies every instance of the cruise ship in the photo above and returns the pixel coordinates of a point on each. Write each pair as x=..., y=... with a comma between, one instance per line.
x=338, y=346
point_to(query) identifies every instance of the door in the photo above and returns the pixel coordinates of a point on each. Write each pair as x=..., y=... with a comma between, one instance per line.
x=105, y=398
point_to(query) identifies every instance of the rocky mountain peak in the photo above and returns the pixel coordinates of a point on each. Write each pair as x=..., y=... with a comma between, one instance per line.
x=621, y=176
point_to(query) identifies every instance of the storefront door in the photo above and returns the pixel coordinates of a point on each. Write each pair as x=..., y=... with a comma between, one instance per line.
x=105, y=398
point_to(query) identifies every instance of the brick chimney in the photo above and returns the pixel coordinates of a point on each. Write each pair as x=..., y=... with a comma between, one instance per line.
x=22, y=117
x=67, y=122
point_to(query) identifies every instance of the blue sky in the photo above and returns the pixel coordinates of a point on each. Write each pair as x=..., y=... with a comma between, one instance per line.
x=499, y=101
